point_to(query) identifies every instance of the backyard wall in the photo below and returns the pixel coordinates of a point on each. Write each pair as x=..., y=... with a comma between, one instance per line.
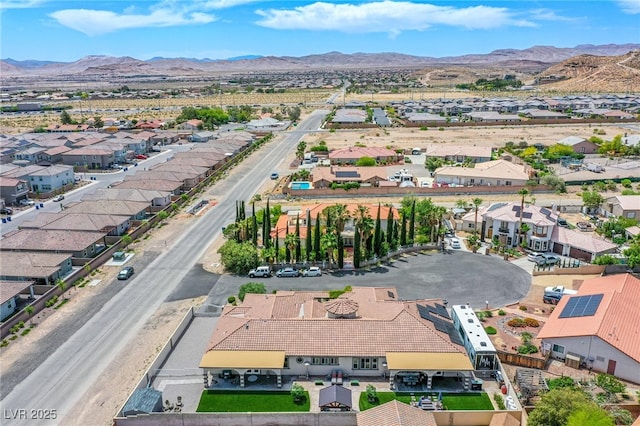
x=580, y=270
x=240, y=419
x=397, y=191
x=470, y=418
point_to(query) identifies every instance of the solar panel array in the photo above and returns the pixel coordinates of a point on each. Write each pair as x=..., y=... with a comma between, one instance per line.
x=581, y=306
x=347, y=173
x=434, y=314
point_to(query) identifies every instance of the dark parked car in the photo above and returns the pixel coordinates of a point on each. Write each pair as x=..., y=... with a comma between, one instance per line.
x=125, y=273
x=287, y=272
x=6, y=210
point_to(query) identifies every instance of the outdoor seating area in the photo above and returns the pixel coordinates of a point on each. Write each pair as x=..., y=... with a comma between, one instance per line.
x=228, y=380
x=431, y=402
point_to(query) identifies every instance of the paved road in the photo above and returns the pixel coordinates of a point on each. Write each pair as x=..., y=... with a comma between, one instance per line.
x=456, y=275
x=60, y=381
x=103, y=180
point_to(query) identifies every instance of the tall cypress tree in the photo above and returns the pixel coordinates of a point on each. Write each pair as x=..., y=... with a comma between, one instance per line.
x=298, y=248
x=394, y=239
x=403, y=231
x=237, y=212
x=277, y=246
x=390, y=226
x=254, y=225
x=356, y=249
x=316, y=239
x=308, y=245
x=377, y=234
x=243, y=213
x=266, y=220
x=287, y=252
x=340, y=252
x=412, y=222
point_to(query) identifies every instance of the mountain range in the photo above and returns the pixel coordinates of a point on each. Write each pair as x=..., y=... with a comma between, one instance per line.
x=533, y=59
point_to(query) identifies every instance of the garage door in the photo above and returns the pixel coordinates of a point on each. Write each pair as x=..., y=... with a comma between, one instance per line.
x=557, y=248
x=580, y=254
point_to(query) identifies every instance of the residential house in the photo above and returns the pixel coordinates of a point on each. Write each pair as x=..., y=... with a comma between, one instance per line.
x=199, y=172
x=580, y=145
x=165, y=138
x=541, y=114
x=13, y=190
x=380, y=117
x=491, y=117
x=501, y=221
x=31, y=155
x=9, y=293
x=193, y=125
x=416, y=347
x=200, y=137
x=425, y=118
x=133, y=209
x=188, y=180
x=491, y=173
x=52, y=178
x=323, y=177
x=598, y=327
x=81, y=244
x=349, y=116
x=627, y=206
x=64, y=128
x=113, y=225
x=459, y=153
x=396, y=413
x=152, y=197
x=580, y=245
x=351, y=155
x=35, y=267
x=164, y=185
x=93, y=158
x=54, y=154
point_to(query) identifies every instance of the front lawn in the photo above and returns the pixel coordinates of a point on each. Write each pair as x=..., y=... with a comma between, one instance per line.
x=453, y=401
x=241, y=401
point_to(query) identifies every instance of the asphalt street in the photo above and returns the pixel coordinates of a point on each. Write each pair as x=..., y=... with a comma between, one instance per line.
x=60, y=381
x=459, y=277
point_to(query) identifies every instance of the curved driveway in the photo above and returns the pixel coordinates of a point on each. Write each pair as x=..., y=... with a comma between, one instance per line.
x=457, y=276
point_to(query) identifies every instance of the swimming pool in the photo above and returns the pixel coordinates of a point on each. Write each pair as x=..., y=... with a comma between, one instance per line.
x=300, y=185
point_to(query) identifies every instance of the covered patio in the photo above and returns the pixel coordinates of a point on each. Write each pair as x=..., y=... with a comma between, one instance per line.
x=243, y=369
x=418, y=372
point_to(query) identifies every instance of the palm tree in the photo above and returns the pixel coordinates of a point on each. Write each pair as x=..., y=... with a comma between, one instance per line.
x=476, y=203
x=290, y=241
x=523, y=193
x=329, y=242
x=340, y=216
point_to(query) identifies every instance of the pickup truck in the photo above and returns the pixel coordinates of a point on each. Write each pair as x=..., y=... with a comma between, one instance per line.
x=559, y=290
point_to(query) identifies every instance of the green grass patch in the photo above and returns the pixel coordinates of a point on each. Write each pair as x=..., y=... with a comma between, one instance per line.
x=474, y=402
x=59, y=305
x=453, y=401
x=490, y=330
x=242, y=401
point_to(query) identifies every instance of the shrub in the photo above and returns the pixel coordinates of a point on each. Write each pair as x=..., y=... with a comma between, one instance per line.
x=297, y=392
x=527, y=349
x=490, y=330
x=231, y=300
x=523, y=308
x=372, y=394
x=609, y=383
x=488, y=314
x=499, y=401
x=561, y=382
x=531, y=322
x=502, y=313
x=516, y=322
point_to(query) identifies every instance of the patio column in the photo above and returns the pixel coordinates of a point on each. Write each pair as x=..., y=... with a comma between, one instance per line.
x=205, y=377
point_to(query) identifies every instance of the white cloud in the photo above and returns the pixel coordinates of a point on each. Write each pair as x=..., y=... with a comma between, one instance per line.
x=631, y=7
x=386, y=16
x=20, y=4
x=165, y=13
x=548, y=15
x=96, y=22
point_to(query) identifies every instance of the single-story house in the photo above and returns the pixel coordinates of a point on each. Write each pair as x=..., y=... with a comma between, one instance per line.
x=459, y=153
x=194, y=124
x=39, y=267
x=323, y=177
x=580, y=145
x=113, y=225
x=9, y=292
x=81, y=244
x=425, y=118
x=599, y=327
x=204, y=136
x=627, y=206
x=579, y=245
x=135, y=210
x=396, y=413
x=152, y=197
x=349, y=116
x=416, y=347
x=491, y=173
x=351, y=155
x=164, y=185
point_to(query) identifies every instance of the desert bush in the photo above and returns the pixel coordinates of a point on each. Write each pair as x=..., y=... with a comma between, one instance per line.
x=502, y=313
x=516, y=322
x=531, y=322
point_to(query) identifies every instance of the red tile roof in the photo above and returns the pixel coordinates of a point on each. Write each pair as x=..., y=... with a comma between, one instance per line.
x=616, y=321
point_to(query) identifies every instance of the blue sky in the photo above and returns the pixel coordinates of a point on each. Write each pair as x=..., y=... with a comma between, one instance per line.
x=219, y=29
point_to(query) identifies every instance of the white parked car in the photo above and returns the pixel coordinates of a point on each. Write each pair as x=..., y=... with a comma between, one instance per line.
x=27, y=202
x=543, y=258
x=454, y=243
x=313, y=271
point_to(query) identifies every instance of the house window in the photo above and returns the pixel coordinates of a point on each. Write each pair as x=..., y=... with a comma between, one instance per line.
x=324, y=360
x=600, y=358
x=558, y=348
x=508, y=183
x=631, y=215
x=471, y=225
x=472, y=180
x=365, y=363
